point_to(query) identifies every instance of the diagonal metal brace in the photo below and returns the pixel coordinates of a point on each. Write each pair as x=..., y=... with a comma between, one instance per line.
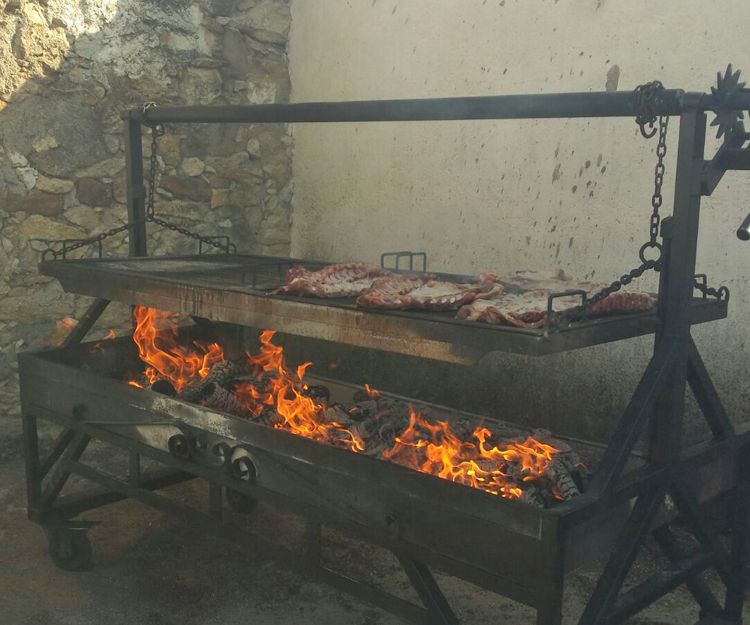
x=632, y=422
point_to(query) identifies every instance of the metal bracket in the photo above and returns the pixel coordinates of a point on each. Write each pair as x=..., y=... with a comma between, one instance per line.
x=409, y=256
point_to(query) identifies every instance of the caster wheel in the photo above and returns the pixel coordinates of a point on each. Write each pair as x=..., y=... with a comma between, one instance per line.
x=70, y=549
x=239, y=502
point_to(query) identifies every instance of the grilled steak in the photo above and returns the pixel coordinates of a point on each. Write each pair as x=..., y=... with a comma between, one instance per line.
x=339, y=280
x=424, y=293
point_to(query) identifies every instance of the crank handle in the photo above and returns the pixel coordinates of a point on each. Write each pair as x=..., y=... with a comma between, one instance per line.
x=743, y=232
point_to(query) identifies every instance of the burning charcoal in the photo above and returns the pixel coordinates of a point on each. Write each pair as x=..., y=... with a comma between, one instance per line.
x=572, y=461
x=365, y=429
x=319, y=393
x=338, y=414
x=219, y=398
x=545, y=436
x=558, y=473
x=222, y=372
x=164, y=387
x=268, y=417
x=390, y=428
x=367, y=407
x=192, y=392
x=532, y=496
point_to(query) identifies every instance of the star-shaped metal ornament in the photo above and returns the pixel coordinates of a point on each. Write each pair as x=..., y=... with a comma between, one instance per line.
x=727, y=86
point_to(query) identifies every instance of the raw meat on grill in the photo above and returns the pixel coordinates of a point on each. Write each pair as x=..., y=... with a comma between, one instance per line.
x=529, y=309
x=338, y=280
x=399, y=292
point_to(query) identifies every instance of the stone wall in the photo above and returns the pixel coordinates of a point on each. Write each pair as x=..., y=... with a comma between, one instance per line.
x=68, y=68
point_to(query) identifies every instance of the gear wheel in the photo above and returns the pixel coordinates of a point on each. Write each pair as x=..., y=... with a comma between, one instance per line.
x=727, y=86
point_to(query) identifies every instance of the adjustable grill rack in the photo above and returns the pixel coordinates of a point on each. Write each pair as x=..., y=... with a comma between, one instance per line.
x=375, y=504
x=237, y=289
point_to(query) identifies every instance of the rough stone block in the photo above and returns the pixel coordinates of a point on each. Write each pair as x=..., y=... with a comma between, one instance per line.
x=93, y=192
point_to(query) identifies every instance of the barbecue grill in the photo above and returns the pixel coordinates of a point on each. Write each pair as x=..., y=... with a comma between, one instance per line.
x=514, y=549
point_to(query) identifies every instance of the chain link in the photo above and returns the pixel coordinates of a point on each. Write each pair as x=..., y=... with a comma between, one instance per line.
x=70, y=246
x=657, y=199
x=647, y=96
x=157, y=130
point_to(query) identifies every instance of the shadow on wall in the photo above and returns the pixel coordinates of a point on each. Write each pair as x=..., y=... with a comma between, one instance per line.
x=68, y=68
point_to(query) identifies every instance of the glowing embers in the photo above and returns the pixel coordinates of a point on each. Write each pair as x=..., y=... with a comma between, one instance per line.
x=157, y=337
x=435, y=448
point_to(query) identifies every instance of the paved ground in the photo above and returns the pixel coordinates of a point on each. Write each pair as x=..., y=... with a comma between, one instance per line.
x=156, y=570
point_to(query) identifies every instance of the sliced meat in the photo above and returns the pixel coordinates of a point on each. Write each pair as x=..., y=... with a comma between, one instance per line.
x=529, y=309
x=423, y=293
x=338, y=280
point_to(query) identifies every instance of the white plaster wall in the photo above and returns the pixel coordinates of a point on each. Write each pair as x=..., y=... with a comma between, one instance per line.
x=482, y=196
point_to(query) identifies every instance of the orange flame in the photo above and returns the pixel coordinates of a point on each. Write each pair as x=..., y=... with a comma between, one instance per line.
x=283, y=391
x=435, y=448
x=98, y=347
x=371, y=392
x=156, y=337
x=431, y=448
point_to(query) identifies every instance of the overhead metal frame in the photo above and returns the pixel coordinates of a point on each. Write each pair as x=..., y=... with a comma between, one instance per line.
x=657, y=405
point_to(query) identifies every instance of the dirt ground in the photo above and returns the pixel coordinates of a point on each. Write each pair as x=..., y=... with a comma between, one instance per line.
x=150, y=569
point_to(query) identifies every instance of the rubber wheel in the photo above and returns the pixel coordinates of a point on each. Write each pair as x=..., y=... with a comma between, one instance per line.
x=70, y=549
x=240, y=502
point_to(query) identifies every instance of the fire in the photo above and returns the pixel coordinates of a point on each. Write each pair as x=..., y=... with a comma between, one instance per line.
x=371, y=392
x=429, y=447
x=284, y=391
x=434, y=448
x=107, y=337
x=156, y=336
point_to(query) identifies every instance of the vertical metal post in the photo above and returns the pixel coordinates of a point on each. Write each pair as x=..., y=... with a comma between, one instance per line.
x=740, y=539
x=31, y=458
x=136, y=192
x=674, y=306
x=549, y=610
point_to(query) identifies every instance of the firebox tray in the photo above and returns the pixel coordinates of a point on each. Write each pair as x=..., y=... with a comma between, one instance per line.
x=237, y=289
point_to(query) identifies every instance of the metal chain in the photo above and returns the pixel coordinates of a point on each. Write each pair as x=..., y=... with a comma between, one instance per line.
x=656, y=198
x=70, y=246
x=157, y=130
x=646, y=96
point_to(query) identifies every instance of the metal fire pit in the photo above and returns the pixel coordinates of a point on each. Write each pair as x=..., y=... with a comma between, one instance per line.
x=511, y=547
x=516, y=550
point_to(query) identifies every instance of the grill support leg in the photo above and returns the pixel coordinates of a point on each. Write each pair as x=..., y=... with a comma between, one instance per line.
x=60, y=477
x=90, y=317
x=429, y=592
x=623, y=555
x=33, y=468
x=740, y=543
x=703, y=595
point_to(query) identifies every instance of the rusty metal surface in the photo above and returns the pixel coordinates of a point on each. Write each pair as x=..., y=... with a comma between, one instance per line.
x=236, y=289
